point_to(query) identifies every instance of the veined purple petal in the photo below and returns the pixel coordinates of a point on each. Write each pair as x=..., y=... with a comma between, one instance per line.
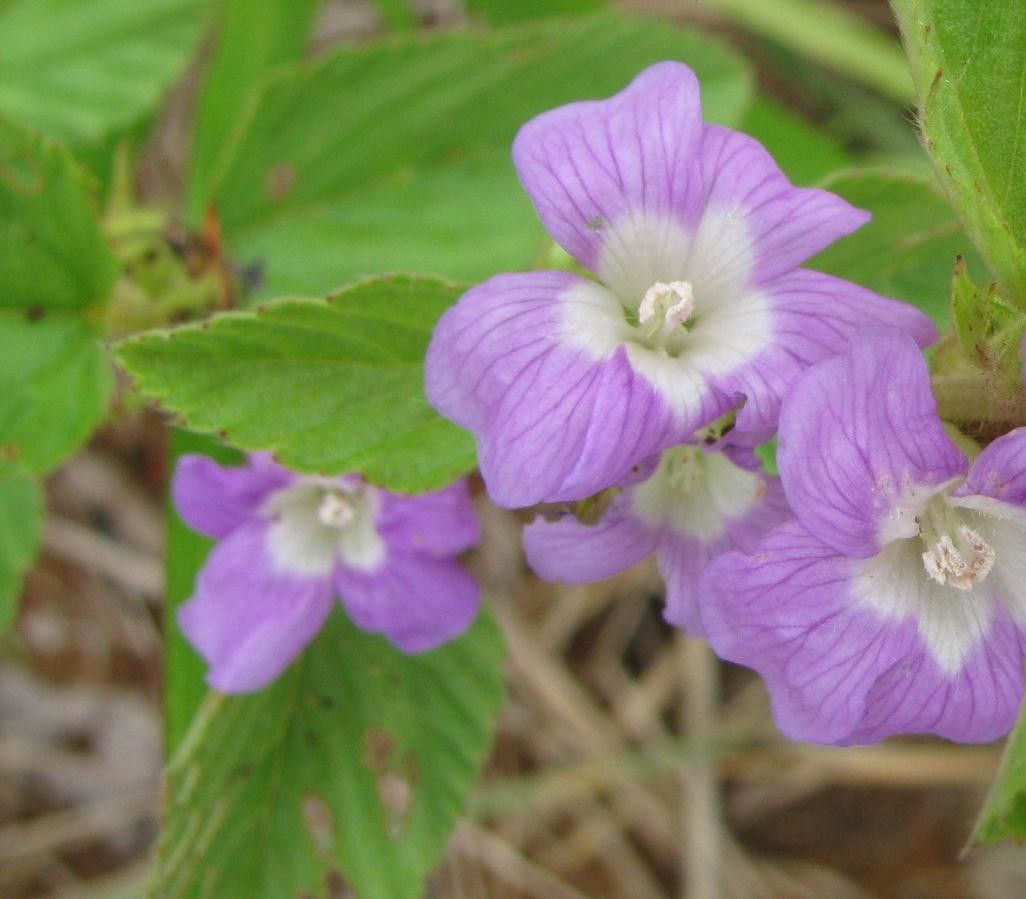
x=416, y=600
x=439, y=523
x=576, y=553
x=964, y=680
x=1000, y=470
x=592, y=164
x=248, y=619
x=786, y=612
x=769, y=510
x=682, y=560
x=861, y=445
x=497, y=333
x=215, y=499
x=977, y=705
x=536, y=366
x=786, y=225
x=814, y=317
x=853, y=650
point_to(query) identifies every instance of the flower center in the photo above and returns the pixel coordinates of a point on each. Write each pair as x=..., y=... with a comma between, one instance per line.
x=696, y=494
x=682, y=467
x=317, y=521
x=665, y=310
x=955, y=554
x=336, y=509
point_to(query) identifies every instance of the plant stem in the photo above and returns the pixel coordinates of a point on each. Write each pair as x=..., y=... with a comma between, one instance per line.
x=702, y=876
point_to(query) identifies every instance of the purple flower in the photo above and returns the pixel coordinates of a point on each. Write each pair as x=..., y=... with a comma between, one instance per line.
x=289, y=543
x=896, y=602
x=694, y=505
x=696, y=237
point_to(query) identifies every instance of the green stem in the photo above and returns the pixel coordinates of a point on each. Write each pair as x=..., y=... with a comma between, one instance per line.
x=830, y=35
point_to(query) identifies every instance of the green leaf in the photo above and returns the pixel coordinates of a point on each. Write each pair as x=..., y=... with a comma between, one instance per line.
x=184, y=687
x=54, y=253
x=505, y=12
x=1003, y=815
x=79, y=69
x=908, y=249
x=21, y=520
x=351, y=767
x=803, y=152
x=969, y=70
x=330, y=385
x=253, y=37
x=424, y=125
x=480, y=222
x=54, y=385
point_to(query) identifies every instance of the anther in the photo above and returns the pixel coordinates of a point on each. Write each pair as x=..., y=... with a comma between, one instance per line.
x=335, y=510
x=959, y=566
x=674, y=303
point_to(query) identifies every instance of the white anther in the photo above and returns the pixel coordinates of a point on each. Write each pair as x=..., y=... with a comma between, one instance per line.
x=675, y=302
x=963, y=567
x=335, y=511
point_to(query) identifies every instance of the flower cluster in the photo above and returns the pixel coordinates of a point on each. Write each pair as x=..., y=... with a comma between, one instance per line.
x=873, y=583
x=288, y=544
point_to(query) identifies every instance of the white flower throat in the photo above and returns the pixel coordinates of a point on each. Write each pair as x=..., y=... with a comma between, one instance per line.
x=696, y=493
x=682, y=468
x=665, y=311
x=319, y=521
x=956, y=554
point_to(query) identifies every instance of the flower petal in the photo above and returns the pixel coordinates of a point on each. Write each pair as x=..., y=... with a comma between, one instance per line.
x=861, y=445
x=248, y=619
x=215, y=499
x=593, y=164
x=535, y=365
x=574, y=553
x=785, y=225
x=785, y=611
x=681, y=563
x=853, y=651
x=1000, y=470
x=417, y=601
x=964, y=679
x=977, y=705
x=813, y=316
x=440, y=523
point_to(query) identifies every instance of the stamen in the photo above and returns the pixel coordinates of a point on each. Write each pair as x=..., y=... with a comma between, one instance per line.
x=674, y=303
x=335, y=510
x=963, y=565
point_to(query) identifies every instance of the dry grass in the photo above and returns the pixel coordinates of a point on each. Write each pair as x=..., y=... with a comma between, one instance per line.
x=627, y=763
